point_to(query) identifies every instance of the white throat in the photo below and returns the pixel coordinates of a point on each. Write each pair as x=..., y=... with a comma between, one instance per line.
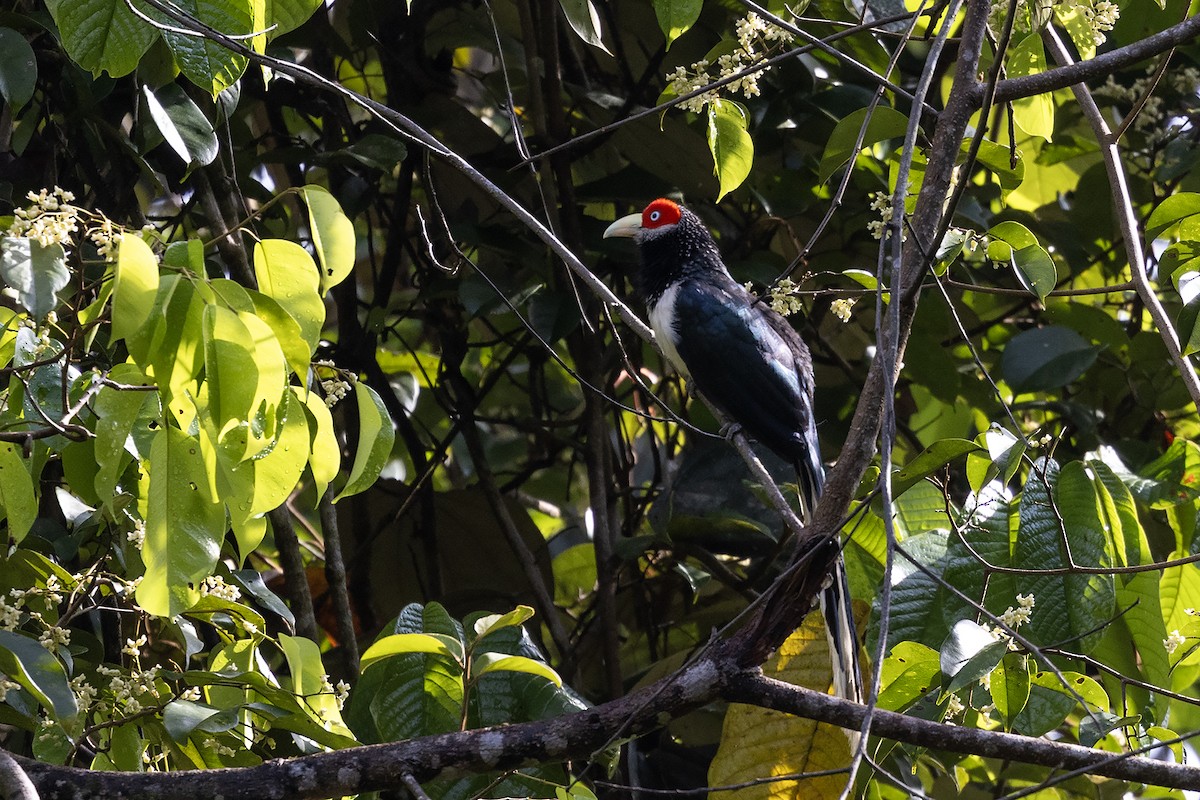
x=662, y=320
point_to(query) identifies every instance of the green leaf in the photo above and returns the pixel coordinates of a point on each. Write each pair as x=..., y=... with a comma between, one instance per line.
x=931, y=459
x=1075, y=685
x=181, y=717
x=375, y=437
x=1175, y=208
x=325, y=459
x=36, y=272
x=184, y=525
x=116, y=412
x=17, y=500
x=494, y=622
x=907, y=675
x=484, y=663
x=399, y=643
x=287, y=15
x=230, y=366
x=308, y=681
x=1046, y=358
x=886, y=123
x=102, y=35
x=296, y=350
x=1010, y=686
x=585, y=21
x=206, y=63
x=1007, y=236
x=730, y=144
x=277, y=471
x=136, y=286
x=286, y=273
x=1035, y=268
x=24, y=660
x=18, y=69
x=181, y=122
x=676, y=16
x=969, y=653
x=998, y=160
x=1069, y=607
x=332, y=234
x=1034, y=114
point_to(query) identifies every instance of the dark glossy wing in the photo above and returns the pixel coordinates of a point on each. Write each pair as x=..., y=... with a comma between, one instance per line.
x=749, y=361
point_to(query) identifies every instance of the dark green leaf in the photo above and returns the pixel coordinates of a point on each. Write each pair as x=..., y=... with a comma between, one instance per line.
x=35, y=271
x=886, y=123
x=1046, y=358
x=182, y=124
x=18, y=68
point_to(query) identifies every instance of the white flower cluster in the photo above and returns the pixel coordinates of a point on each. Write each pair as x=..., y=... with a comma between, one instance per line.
x=50, y=218
x=131, y=693
x=54, y=637
x=137, y=536
x=1156, y=119
x=1015, y=618
x=783, y=297
x=105, y=235
x=335, y=389
x=1173, y=641
x=1100, y=15
x=6, y=686
x=882, y=202
x=754, y=37
x=842, y=307
x=341, y=692
x=216, y=586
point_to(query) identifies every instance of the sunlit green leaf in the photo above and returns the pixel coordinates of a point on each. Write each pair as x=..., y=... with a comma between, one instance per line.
x=676, y=16
x=17, y=500
x=332, y=234
x=375, y=437
x=1033, y=114
x=286, y=273
x=730, y=144
x=184, y=525
x=136, y=288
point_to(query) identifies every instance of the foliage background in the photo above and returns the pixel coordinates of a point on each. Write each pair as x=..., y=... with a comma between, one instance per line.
x=537, y=459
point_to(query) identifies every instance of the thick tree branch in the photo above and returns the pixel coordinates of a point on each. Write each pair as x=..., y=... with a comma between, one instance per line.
x=751, y=687
x=1099, y=67
x=578, y=736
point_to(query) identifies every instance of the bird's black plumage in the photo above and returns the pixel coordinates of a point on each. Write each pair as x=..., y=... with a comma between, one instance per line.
x=748, y=361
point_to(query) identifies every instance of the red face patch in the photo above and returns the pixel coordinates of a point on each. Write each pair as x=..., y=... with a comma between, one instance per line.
x=659, y=213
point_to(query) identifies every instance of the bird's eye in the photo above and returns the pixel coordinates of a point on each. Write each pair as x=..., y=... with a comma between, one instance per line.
x=654, y=215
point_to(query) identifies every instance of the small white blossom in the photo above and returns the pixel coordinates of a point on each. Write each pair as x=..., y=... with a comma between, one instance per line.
x=954, y=707
x=216, y=586
x=54, y=637
x=133, y=647
x=1173, y=641
x=137, y=536
x=841, y=307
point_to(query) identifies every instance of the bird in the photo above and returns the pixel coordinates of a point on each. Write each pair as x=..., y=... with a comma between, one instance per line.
x=749, y=362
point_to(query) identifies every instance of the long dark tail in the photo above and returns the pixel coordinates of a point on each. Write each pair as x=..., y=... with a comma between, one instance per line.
x=836, y=608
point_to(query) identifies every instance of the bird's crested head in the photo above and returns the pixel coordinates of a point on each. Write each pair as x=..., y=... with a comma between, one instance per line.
x=672, y=241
